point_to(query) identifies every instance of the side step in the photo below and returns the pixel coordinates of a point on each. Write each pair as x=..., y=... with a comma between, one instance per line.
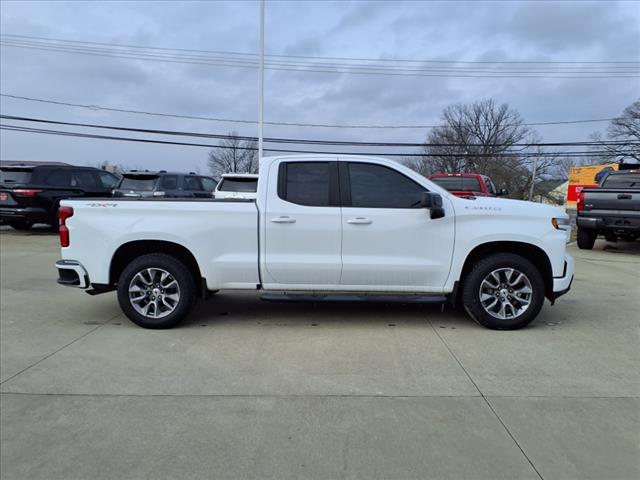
x=336, y=297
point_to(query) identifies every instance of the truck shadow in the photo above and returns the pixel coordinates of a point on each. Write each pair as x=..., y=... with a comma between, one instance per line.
x=247, y=308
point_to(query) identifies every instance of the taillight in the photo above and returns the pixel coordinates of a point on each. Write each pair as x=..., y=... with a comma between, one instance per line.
x=63, y=214
x=580, y=204
x=25, y=192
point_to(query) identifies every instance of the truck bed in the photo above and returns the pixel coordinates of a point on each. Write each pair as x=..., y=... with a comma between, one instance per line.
x=222, y=234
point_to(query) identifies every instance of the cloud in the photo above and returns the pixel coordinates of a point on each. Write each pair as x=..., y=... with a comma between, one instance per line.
x=485, y=31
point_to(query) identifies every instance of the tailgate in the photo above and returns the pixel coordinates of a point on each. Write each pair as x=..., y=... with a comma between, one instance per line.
x=605, y=200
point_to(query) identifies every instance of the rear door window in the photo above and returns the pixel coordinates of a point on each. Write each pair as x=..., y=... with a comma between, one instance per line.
x=306, y=183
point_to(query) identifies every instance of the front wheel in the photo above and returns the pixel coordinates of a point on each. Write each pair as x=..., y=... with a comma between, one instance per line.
x=586, y=239
x=503, y=292
x=156, y=291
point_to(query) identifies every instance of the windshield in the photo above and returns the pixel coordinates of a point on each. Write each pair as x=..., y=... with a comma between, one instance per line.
x=145, y=182
x=458, y=183
x=238, y=185
x=15, y=175
x=622, y=180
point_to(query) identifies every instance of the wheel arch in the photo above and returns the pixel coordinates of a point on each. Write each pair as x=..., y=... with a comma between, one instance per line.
x=131, y=250
x=531, y=252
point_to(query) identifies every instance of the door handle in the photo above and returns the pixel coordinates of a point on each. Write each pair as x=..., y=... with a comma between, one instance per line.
x=283, y=219
x=624, y=196
x=360, y=221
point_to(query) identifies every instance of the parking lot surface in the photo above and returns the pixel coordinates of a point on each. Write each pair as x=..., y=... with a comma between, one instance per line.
x=250, y=389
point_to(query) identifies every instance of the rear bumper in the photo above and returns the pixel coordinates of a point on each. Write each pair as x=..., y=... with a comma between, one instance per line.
x=72, y=274
x=561, y=285
x=621, y=224
x=31, y=214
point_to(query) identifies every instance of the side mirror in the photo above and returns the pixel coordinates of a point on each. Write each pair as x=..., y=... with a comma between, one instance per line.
x=432, y=202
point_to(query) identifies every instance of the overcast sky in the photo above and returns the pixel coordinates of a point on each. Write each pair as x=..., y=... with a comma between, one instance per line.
x=569, y=31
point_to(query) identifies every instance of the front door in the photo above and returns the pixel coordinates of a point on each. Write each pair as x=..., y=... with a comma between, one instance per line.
x=302, y=225
x=389, y=243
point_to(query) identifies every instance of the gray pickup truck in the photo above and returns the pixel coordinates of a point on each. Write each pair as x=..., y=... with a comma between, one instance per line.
x=612, y=209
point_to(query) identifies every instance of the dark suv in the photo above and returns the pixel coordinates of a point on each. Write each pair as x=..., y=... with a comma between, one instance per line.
x=164, y=184
x=32, y=194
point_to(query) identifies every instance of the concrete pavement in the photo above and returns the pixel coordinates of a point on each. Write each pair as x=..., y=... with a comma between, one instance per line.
x=248, y=389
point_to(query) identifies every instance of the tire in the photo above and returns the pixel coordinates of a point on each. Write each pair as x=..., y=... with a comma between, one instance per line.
x=146, y=272
x=21, y=225
x=500, y=316
x=586, y=239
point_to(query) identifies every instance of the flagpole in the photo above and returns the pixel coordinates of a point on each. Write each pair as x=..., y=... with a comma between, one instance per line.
x=261, y=86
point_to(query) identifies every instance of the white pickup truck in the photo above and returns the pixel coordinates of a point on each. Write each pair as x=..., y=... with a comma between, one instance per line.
x=320, y=225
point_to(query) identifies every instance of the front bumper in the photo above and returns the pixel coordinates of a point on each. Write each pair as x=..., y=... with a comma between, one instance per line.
x=561, y=285
x=72, y=274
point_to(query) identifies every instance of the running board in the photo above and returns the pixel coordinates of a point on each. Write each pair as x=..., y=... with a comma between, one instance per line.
x=329, y=298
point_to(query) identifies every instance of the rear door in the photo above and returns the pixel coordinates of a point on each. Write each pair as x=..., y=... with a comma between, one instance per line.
x=389, y=243
x=303, y=225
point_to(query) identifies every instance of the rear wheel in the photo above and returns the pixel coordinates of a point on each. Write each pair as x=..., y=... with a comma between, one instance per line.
x=586, y=239
x=503, y=292
x=21, y=225
x=156, y=291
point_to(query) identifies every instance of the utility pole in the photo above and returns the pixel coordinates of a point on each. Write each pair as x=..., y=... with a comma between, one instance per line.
x=261, y=82
x=533, y=177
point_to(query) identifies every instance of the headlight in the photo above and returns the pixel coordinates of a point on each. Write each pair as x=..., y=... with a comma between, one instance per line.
x=560, y=223
x=564, y=225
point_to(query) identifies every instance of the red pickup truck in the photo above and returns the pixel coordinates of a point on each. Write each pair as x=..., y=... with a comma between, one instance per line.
x=467, y=184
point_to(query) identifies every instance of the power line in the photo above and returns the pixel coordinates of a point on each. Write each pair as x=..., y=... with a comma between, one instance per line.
x=80, y=47
x=294, y=124
x=307, y=141
x=249, y=54
x=319, y=68
x=17, y=128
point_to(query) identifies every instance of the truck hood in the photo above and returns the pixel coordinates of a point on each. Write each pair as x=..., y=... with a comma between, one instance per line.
x=506, y=206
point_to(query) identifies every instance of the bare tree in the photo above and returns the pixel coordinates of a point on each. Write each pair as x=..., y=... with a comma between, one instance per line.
x=481, y=138
x=625, y=128
x=233, y=155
